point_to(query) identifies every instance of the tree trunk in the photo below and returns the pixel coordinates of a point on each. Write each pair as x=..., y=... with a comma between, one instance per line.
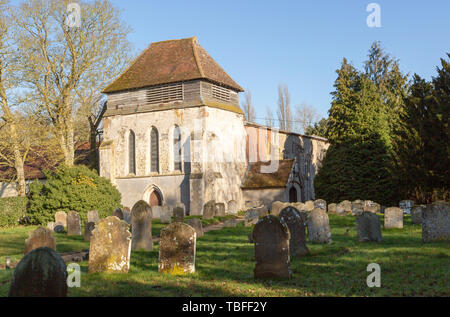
x=18, y=162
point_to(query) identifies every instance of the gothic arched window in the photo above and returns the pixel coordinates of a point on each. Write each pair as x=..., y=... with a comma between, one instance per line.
x=177, y=149
x=132, y=153
x=154, y=151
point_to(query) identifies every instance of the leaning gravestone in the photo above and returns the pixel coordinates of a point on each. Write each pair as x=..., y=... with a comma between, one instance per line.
x=118, y=213
x=371, y=206
x=177, y=249
x=220, y=210
x=141, y=226
x=277, y=206
x=368, y=227
x=92, y=216
x=318, y=226
x=61, y=217
x=406, y=206
x=416, y=214
x=40, y=273
x=88, y=228
x=436, y=222
x=166, y=215
x=41, y=237
x=251, y=217
x=178, y=214
x=232, y=207
x=271, y=238
x=209, y=210
x=73, y=224
x=297, y=243
x=321, y=204
x=309, y=206
x=393, y=218
x=110, y=246
x=197, y=225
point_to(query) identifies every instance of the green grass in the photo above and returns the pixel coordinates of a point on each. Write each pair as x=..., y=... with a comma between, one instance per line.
x=225, y=263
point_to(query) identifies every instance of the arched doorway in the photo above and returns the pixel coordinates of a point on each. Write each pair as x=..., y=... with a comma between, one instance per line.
x=155, y=199
x=293, y=195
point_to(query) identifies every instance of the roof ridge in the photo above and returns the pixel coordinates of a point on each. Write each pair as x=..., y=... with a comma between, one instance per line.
x=197, y=61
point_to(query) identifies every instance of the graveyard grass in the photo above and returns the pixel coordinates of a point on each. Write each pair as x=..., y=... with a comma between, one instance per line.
x=225, y=263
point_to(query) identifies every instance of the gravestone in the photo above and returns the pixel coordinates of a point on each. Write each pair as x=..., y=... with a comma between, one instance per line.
x=368, y=227
x=110, y=247
x=51, y=225
x=61, y=217
x=262, y=211
x=319, y=226
x=309, y=206
x=197, y=225
x=127, y=215
x=297, y=243
x=436, y=222
x=209, y=210
x=178, y=214
x=41, y=237
x=232, y=207
x=357, y=207
x=88, y=228
x=92, y=216
x=321, y=204
x=276, y=207
x=393, y=218
x=406, y=206
x=371, y=206
x=271, y=238
x=156, y=212
x=220, y=210
x=340, y=210
x=118, y=213
x=73, y=224
x=346, y=205
x=416, y=214
x=40, y=273
x=166, y=215
x=59, y=227
x=332, y=208
x=141, y=226
x=177, y=249
x=230, y=223
x=251, y=217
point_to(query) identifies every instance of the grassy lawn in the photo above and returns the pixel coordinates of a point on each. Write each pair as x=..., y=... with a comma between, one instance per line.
x=225, y=263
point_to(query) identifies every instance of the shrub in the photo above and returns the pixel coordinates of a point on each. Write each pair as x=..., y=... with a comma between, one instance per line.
x=12, y=210
x=71, y=188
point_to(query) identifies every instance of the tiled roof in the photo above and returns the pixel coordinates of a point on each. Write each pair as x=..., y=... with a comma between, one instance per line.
x=172, y=61
x=254, y=179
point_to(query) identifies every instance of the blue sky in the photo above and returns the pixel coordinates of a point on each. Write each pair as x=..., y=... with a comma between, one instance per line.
x=299, y=43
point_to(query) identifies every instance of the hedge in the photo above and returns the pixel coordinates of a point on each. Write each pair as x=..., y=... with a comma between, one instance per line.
x=12, y=210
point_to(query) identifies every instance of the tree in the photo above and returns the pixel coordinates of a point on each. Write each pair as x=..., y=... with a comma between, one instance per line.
x=318, y=129
x=58, y=60
x=269, y=118
x=249, y=110
x=284, y=111
x=306, y=116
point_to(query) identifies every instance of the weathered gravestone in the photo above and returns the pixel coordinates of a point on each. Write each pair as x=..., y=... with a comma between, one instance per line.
x=232, y=207
x=127, y=214
x=166, y=215
x=41, y=237
x=368, y=227
x=371, y=206
x=230, y=223
x=297, y=243
x=346, y=205
x=357, y=207
x=262, y=211
x=141, y=226
x=299, y=206
x=276, y=207
x=88, y=228
x=59, y=227
x=40, y=273
x=251, y=217
x=61, y=217
x=321, y=204
x=197, y=225
x=393, y=218
x=340, y=210
x=156, y=212
x=177, y=249
x=178, y=214
x=416, y=214
x=92, y=216
x=406, y=206
x=318, y=226
x=309, y=206
x=332, y=208
x=118, y=213
x=209, y=210
x=436, y=222
x=51, y=225
x=110, y=247
x=220, y=210
x=73, y=224
x=271, y=238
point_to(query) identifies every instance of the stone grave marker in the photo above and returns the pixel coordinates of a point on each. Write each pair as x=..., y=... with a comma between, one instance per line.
x=393, y=218
x=321, y=204
x=309, y=206
x=209, y=210
x=166, y=215
x=318, y=226
x=197, y=225
x=371, y=206
x=92, y=216
x=118, y=213
x=178, y=214
x=232, y=207
x=297, y=243
x=406, y=206
x=416, y=214
x=436, y=222
x=73, y=224
x=61, y=217
x=41, y=237
x=220, y=210
x=277, y=206
x=251, y=217
x=368, y=227
x=88, y=228
x=141, y=226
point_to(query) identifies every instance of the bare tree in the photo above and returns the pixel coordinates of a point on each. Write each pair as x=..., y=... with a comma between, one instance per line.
x=284, y=108
x=249, y=110
x=305, y=116
x=269, y=118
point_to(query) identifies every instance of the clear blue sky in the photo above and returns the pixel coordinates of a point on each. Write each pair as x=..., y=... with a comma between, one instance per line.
x=300, y=43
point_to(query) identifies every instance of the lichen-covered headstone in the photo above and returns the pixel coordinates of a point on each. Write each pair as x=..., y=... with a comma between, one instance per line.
x=416, y=214
x=406, y=206
x=73, y=224
x=332, y=208
x=178, y=214
x=220, y=210
x=232, y=207
x=61, y=217
x=393, y=218
x=321, y=204
x=41, y=237
x=166, y=215
x=357, y=207
x=436, y=222
x=318, y=226
x=368, y=227
x=209, y=210
x=276, y=207
x=88, y=228
x=309, y=206
x=110, y=247
x=197, y=225
x=371, y=206
x=271, y=239
x=141, y=226
x=92, y=216
x=297, y=243
x=118, y=213
x=177, y=249
x=40, y=273
x=251, y=217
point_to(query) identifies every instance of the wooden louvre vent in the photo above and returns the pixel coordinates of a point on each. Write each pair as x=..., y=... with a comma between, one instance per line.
x=165, y=93
x=221, y=93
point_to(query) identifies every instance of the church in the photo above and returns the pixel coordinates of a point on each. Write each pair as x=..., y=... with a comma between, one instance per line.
x=174, y=133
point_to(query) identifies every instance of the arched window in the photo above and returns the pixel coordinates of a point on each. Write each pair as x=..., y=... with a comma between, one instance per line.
x=154, y=151
x=177, y=149
x=132, y=153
